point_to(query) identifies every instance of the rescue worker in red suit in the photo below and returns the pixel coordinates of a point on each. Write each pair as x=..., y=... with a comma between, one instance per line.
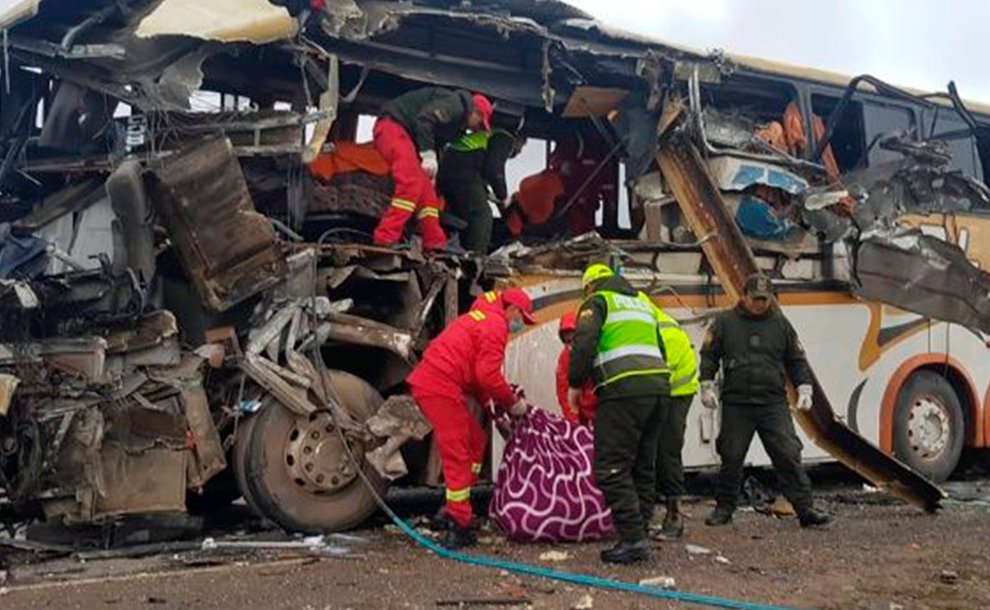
x=407, y=135
x=572, y=177
x=466, y=360
x=588, y=402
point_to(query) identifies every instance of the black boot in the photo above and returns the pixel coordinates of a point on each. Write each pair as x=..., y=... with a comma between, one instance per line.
x=458, y=537
x=440, y=521
x=722, y=515
x=625, y=552
x=810, y=517
x=672, y=526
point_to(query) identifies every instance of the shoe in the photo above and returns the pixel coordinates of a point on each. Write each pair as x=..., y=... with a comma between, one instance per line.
x=440, y=521
x=625, y=552
x=722, y=515
x=672, y=526
x=458, y=537
x=812, y=518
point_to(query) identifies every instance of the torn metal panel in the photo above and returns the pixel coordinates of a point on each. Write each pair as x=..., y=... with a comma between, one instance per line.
x=255, y=21
x=150, y=481
x=18, y=11
x=329, y=100
x=228, y=249
x=361, y=331
x=925, y=275
x=207, y=456
x=734, y=174
x=292, y=397
x=84, y=357
x=8, y=385
x=397, y=421
x=72, y=198
x=730, y=256
x=593, y=101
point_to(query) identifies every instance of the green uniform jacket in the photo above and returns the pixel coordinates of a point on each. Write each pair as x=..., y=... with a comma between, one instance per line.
x=584, y=348
x=485, y=163
x=756, y=354
x=681, y=358
x=431, y=114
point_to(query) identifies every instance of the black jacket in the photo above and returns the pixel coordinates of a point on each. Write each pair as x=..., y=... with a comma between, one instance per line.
x=431, y=115
x=584, y=348
x=488, y=165
x=756, y=354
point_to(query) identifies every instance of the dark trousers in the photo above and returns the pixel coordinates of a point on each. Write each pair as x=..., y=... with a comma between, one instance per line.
x=776, y=429
x=468, y=200
x=626, y=434
x=670, y=467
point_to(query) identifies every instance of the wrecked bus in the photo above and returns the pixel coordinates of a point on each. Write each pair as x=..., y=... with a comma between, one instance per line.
x=190, y=311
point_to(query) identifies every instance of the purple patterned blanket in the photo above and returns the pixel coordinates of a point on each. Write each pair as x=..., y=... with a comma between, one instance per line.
x=544, y=489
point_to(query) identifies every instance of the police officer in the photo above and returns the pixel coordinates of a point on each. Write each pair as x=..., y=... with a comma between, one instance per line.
x=683, y=363
x=617, y=344
x=757, y=349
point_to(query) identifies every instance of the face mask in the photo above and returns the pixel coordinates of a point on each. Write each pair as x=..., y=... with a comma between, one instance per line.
x=516, y=326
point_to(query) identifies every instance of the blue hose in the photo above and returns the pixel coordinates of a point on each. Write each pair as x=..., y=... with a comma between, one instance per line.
x=574, y=578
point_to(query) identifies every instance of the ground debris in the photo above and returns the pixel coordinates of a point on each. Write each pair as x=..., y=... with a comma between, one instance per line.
x=948, y=577
x=585, y=602
x=555, y=556
x=662, y=582
x=694, y=549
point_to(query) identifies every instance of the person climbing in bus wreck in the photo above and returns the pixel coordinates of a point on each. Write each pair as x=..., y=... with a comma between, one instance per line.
x=618, y=344
x=757, y=348
x=468, y=167
x=407, y=135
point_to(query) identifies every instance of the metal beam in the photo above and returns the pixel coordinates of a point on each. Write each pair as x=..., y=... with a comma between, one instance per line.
x=701, y=202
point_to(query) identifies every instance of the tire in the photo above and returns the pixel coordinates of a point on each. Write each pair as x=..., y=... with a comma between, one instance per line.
x=279, y=478
x=238, y=460
x=929, y=427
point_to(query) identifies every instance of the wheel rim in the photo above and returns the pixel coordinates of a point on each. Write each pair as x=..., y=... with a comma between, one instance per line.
x=929, y=427
x=315, y=457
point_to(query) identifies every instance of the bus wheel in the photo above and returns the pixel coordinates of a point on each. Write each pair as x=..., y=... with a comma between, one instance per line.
x=929, y=425
x=298, y=471
x=238, y=462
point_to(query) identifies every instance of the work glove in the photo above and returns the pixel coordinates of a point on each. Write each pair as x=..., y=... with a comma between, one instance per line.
x=518, y=390
x=709, y=395
x=574, y=398
x=804, y=400
x=518, y=408
x=428, y=161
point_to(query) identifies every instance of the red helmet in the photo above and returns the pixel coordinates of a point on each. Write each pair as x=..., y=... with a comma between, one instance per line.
x=568, y=322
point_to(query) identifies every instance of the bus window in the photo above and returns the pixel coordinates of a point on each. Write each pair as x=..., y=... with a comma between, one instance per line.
x=881, y=119
x=962, y=149
x=848, y=140
x=983, y=148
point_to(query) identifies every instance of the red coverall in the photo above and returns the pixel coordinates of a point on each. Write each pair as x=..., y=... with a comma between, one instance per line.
x=414, y=191
x=588, y=404
x=465, y=359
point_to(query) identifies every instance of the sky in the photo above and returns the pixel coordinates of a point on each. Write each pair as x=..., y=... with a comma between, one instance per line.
x=917, y=43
